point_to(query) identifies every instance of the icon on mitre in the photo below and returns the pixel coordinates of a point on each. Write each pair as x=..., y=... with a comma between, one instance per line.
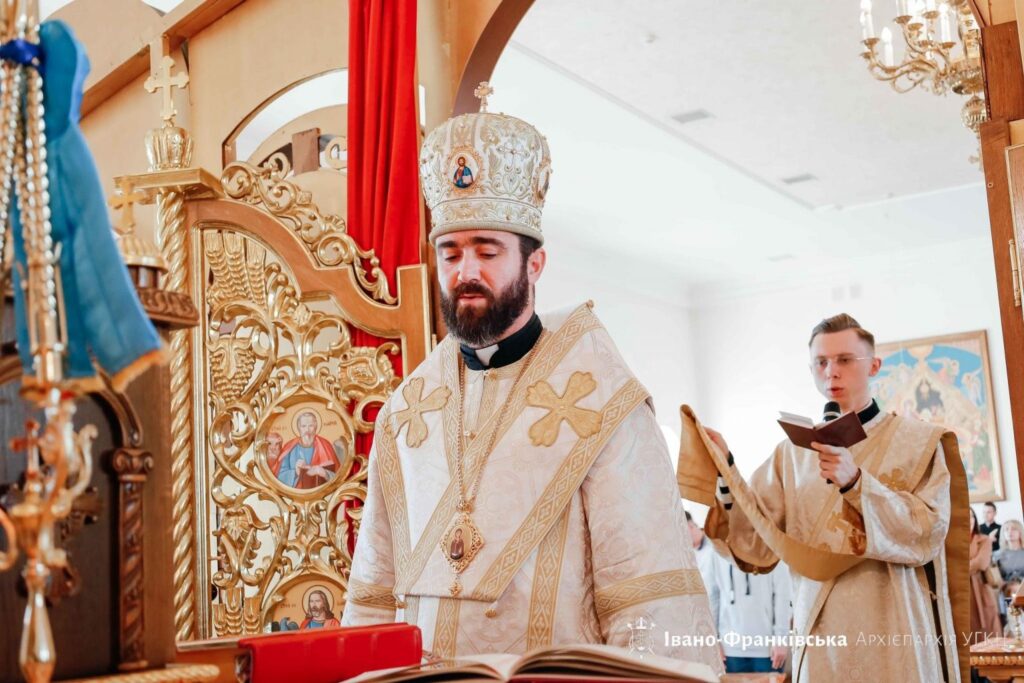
x=462, y=176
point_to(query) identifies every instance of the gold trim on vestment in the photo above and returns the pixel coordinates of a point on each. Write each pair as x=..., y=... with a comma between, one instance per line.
x=392, y=484
x=563, y=408
x=812, y=562
x=446, y=628
x=555, y=347
x=415, y=405
x=546, y=574
x=866, y=457
x=557, y=494
x=958, y=552
x=370, y=594
x=639, y=589
x=825, y=566
x=449, y=351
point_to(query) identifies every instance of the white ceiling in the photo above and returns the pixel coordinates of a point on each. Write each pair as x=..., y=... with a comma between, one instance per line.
x=784, y=83
x=700, y=205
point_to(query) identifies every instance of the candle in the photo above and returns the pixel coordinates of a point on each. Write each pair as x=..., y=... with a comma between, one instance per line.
x=901, y=8
x=929, y=5
x=867, y=24
x=888, y=58
x=945, y=30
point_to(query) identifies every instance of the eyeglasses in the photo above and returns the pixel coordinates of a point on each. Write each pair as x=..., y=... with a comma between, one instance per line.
x=843, y=361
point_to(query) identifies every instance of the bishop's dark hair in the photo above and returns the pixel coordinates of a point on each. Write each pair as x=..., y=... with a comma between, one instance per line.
x=838, y=323
x=527, y=245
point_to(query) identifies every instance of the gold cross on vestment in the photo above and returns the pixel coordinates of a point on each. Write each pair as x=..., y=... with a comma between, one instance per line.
x=416, y=405
x=164, y=80
x=125, y=200
x=482, y=92
x=584, y=422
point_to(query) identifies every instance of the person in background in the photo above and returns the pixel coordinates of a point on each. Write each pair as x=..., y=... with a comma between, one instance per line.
x=984, y=614
x=1010, y=560
x=751, y=605
x=990, y=526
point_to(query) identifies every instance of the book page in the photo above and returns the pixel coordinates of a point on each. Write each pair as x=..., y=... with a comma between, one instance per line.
x=611, y=660
x=796, y=419
x=494, y=667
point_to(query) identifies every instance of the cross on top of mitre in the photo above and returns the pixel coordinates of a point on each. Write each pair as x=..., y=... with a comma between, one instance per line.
x=164, y=80
x=482, y=92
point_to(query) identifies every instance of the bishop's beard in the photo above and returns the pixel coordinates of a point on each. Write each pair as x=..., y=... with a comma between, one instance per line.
x=479, y=328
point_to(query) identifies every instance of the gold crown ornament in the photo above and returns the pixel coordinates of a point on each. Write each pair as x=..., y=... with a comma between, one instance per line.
x=485, y=171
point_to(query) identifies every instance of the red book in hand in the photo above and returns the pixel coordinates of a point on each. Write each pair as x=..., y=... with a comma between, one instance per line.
x=332, y=654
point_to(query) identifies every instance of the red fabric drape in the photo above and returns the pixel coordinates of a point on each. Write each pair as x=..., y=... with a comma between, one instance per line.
x=383, y=134
x=383, y=145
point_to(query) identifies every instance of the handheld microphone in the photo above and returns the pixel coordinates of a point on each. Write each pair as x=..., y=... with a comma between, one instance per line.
x=832, y=412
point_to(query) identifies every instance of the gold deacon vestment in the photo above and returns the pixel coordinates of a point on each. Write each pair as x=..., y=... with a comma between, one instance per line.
x=578, y=512
x=880, y=550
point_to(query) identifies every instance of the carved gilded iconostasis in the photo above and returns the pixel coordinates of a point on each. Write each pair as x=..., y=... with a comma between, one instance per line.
x=227, y=187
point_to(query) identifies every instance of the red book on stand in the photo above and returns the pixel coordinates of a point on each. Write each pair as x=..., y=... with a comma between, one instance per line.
x=330, y=655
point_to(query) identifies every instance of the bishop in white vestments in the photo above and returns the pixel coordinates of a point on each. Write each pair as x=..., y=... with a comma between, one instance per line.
x=520, y=492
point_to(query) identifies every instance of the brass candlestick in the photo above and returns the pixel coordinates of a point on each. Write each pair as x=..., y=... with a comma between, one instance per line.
x=58, y=461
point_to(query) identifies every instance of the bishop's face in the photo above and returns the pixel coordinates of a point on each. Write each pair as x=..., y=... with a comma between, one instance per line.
x=843, y=365
x=485, y=283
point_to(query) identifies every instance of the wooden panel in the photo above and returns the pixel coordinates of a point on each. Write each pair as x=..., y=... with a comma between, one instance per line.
x=995, y=137
x=85, y=626
x=1003, y=74
x=306, y=151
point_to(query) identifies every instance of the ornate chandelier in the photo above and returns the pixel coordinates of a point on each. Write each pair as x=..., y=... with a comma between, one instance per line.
x=942, y=52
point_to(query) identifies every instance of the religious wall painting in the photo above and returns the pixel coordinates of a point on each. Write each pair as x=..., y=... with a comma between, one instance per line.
x=304, y=446
x=946, y=380
x=311, y=603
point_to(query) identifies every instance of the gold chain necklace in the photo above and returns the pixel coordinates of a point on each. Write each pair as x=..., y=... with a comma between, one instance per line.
x=463, y=540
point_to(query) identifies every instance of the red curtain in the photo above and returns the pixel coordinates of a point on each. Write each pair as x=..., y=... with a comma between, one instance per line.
x=383, y=134
x=383, y=145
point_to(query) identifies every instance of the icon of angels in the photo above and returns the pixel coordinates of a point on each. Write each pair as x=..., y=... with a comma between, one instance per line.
x=314, y=609
x=314, y=451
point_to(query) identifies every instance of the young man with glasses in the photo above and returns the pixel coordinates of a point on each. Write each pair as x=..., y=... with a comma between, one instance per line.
x=885, y=518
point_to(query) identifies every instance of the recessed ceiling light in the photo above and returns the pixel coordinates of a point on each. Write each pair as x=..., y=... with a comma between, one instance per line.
x=781, y=257
x=802, y=178
x=691, y=116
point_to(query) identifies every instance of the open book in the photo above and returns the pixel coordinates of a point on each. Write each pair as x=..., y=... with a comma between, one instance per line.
x=844, y=431
x=563, y=663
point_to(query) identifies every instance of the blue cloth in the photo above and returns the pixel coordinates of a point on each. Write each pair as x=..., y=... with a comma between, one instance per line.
x=748, y=665
x=105, y=320
x=289, y=474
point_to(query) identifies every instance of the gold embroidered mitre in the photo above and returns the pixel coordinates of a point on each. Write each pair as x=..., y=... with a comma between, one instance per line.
x=485, y=171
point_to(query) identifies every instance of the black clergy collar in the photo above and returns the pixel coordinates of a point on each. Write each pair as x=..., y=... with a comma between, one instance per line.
x=865, y=416
x=869, y=413
x=508, y=351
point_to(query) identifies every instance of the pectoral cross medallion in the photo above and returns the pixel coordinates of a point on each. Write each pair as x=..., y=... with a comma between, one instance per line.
x=459, y=545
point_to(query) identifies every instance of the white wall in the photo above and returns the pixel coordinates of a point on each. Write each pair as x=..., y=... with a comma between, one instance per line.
x=654, y=336
x=751, y=340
